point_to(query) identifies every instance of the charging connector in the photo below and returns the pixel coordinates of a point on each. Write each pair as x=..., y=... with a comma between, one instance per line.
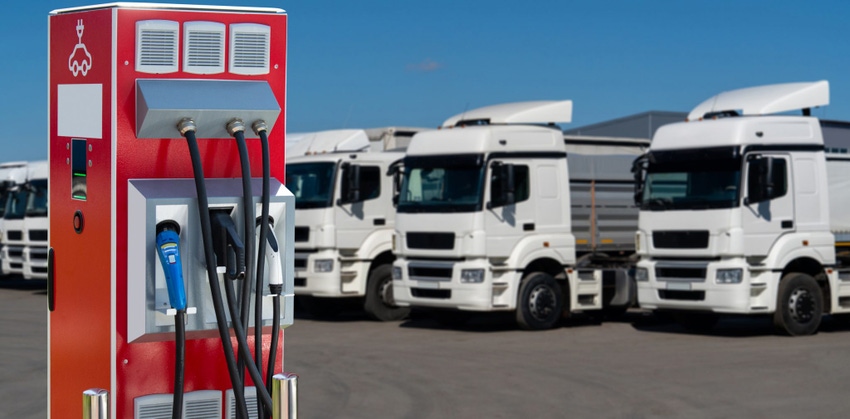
x=168, y=249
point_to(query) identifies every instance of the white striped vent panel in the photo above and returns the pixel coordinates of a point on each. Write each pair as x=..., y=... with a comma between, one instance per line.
x=157, y=46
x=204, y=404
x=250, y=400
x=203, y=48
x=249, y=48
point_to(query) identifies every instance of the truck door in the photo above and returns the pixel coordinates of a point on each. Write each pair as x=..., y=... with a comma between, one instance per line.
x=509, y=213
x=357, y=208
x=768, y=204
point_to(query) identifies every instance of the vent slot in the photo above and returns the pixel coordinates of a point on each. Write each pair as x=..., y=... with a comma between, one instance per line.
x=202, y=404
x=203, y=51
x=157, y=46
x=250, y=400
x=249, y=48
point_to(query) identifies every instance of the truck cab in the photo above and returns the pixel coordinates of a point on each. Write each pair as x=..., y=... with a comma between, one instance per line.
x=36, y=222
x=12, y=228
x=344, y=217
x=485, y=218
x=735, y=212
x=12, y=174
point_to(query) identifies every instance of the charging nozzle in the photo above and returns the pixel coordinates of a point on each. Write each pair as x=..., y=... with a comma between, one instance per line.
x=227, y=244
x=168, y=249
x=273, y=260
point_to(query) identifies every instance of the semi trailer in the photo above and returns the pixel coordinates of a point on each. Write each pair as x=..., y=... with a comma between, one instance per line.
x=344, y=216
x=499, y=211
x=743, y=211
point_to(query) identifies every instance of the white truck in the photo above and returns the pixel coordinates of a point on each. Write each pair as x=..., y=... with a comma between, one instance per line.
x=12, y=174
x=499, y=211
x=14, y=237
x=741, y=212
x=344, y=217
x=36, y=223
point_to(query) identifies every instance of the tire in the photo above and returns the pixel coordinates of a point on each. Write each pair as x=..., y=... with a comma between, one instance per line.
x=696, y=321
x=799, y=305
x=379, y=303
x=539, y=302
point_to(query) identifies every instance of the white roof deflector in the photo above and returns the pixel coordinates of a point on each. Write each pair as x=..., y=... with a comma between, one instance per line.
x=537, y=112
x=763, y=100
x=326, y=142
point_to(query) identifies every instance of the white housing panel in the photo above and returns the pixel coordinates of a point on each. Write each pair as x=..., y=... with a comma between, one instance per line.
x=203, y=47
x=249, y=48
x=157, y=44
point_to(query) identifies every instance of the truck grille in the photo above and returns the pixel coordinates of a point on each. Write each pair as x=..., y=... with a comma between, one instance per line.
x=693, y=274
x=426, y=273
x=14, y=235
x=681, y=295
x=38, y=235
x=302, y=234
x=431, y=241
x=697, y=239
x=429, y=293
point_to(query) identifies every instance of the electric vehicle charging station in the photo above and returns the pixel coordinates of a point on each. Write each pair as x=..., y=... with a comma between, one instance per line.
x=166, y=151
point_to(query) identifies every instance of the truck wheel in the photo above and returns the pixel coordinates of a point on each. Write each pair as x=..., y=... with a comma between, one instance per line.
x=799, y=305
x=380, y=304
x=539, y=302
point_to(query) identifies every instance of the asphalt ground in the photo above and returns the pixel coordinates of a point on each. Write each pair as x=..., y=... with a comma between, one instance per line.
x=635, y=367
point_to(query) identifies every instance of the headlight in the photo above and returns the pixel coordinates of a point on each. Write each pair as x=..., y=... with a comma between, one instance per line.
x=323, y=265
x=641, y=274
x=729, y=276
x=396, y=272
x=472, y=276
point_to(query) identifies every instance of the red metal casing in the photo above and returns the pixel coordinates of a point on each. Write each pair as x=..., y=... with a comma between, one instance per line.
x=88, y=326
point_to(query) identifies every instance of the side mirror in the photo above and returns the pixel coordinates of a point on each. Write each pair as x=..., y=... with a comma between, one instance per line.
x=351, y=187
x=760, y=185
x=639, y=167
x=503, y=185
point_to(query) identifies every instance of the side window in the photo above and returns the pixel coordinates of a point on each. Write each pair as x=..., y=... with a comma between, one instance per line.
x=370, y=182
x=498, y=184
x=780, y=178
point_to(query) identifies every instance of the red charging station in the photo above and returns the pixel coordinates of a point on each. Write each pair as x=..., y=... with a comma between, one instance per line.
x=121, y=78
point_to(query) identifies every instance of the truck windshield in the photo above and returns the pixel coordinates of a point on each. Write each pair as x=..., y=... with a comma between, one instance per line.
x=16, y=204
x=692, y=179
x=311, y=183
x=442, y=183
x=37, y=200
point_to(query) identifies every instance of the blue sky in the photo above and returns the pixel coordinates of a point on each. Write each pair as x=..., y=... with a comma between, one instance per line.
x=394, y=62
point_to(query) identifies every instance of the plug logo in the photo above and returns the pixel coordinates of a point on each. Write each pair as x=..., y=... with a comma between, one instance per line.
x=80, y=60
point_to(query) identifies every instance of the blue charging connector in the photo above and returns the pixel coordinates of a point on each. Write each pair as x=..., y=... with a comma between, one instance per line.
x=168, y=249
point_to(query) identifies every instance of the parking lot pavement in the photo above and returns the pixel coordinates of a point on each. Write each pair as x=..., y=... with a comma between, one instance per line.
x=23, y=349
x=635, y=367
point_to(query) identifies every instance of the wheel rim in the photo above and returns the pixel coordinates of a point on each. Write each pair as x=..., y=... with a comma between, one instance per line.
x=801, y=305
x=385, y=290
x=541, y=302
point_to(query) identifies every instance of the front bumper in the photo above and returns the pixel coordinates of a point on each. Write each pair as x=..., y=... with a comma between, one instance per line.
x=13, y=259
x=345, y=279
x=691, y=285
x=35, y=262
x=437, y=283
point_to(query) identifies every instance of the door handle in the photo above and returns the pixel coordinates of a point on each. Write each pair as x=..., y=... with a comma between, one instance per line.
x=528, y=227
x=379, y=222
x=787, y=224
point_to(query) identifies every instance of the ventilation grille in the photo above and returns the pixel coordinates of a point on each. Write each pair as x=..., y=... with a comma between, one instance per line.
x=157, y=46
x=204, y=47
x=249, y=48
x=250, y=400
x=205, y=404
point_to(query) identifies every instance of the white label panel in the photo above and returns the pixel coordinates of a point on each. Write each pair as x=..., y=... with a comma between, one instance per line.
x=80, y=110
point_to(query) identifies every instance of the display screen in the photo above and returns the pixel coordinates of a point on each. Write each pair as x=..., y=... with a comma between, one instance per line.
x=78, y=169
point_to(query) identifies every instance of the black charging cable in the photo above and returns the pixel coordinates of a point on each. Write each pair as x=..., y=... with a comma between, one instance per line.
x=187, y=129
